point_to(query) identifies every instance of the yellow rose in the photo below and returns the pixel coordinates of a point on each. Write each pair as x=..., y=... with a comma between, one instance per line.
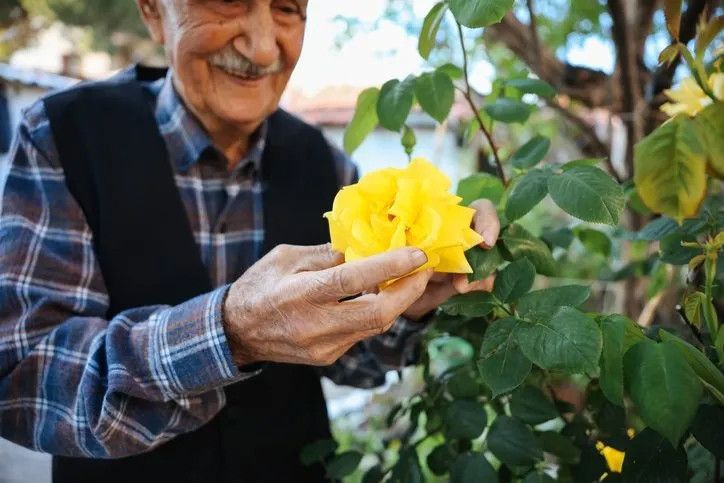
x=690, y=98
x=393, y=208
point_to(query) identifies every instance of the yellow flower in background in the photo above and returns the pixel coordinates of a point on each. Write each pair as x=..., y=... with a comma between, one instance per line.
x=613, y=457
x=689, y=98
x=393, y=208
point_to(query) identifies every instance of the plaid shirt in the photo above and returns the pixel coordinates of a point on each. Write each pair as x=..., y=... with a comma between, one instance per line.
x=75, y=383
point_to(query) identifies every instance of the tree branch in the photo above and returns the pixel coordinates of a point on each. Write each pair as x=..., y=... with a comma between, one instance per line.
x=534, y=31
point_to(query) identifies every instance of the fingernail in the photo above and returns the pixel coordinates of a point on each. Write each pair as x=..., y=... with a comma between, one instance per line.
x=419, y=257
x=488, y=239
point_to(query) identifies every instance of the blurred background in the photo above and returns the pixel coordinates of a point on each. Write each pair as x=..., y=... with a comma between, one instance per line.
x=47, y=45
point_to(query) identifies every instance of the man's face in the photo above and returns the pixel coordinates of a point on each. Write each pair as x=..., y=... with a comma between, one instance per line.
x=232, y=59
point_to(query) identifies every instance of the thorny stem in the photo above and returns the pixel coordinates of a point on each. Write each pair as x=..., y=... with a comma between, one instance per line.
x=467, y=93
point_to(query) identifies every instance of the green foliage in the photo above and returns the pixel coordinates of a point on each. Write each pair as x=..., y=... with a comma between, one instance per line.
x=364, y=120
x=498, y=365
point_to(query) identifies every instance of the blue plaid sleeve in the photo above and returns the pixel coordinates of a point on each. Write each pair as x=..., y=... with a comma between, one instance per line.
x=72, y=382
x=366, y=363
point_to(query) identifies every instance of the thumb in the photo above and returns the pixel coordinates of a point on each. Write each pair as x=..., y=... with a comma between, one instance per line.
x=317, y=257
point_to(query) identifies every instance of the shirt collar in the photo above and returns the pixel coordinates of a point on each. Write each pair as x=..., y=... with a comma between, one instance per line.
x=185, y=137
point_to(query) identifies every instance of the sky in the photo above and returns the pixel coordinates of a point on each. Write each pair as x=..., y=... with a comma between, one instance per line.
x=359, y=62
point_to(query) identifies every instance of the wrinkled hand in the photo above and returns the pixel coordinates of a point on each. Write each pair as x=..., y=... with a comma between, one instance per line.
x=442, y=286
x=287, y=308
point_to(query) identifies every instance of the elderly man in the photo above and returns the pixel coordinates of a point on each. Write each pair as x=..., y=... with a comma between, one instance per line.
x=167, y=303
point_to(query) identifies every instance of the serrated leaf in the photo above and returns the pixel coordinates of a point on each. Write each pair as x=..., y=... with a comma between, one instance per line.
x=709, y=126
x=430, y=27
x=672, y=13
x=483, y=262
x=569, y=342
x=520, y=243
x=472, y=468
x=364, y=120
x=395, y=102
x=531, y=153
x=664, y=388
x=588, y=193
x=614, y=330
x=692, y=307
x=479, y=13
x=480, y=186
x=650, y=458
x=674, y=252
x=582, y=162
x=531, y=406
x=513, y=443
x=514, y=281
x=508, y=111
x=502, y=365
x=435, y=93
x=705, y=37
x=711, y=377
x=464, y=419
x=542, y=304
x=343, y=464
x=532, y=86
x=658, y=229
x=595, y=241
x=527, y=192
x=670, y=169
x=477, y=304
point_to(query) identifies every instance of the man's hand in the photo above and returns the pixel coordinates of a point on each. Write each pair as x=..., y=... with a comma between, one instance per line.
x=287, y=307
x=442, y=286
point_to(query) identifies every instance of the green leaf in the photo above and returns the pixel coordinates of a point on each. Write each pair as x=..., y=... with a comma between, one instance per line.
x=663, y=386
x=652, y=459
x=595, y=241
x=560, y=446
x=531, y=153
x=508, y=110
x=395, y=102
x=673, y=252
x=374, y=475
x=531, y=406
x=582, y=162
x=477, y=304
x=589, y=194
x=464, y=419
x=669, y=54
x=707, y=428
x=692, y=308
x=711, y=377
x=513, y=443
x=709, y=125
x=440, y=459
x=527, y=192
x=569, y=342
x=364, y=120
x=560, y=237
x=317, y=451
x=483, y=262
x=430, y=27
x=522, y=244
x=343, y=464
x=502, y=365
x=670, y=169
x=614, y=329
x=540, y=305
x=657, y=229
x=462, y=385
x=479, y=13
x=538, y=478
x=472, y=468
x=672, y=13
x=705, y=37
x=435, y=93
x=514, y=281
x=480, y=186
x=451, y=70
x=407, y=469
x=532, y=86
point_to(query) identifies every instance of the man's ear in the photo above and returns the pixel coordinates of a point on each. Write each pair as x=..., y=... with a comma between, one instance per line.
x=151, y=15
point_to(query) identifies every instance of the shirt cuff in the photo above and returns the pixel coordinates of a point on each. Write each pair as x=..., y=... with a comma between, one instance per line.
x=189, y=348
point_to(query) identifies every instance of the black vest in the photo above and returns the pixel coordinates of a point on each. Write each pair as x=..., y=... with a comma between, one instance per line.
x=117, y=167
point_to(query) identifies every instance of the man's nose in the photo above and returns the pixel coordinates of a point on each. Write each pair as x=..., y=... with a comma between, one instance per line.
x=258, y=40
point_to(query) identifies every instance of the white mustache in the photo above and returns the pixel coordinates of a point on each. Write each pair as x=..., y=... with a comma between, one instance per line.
x=235, y=63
